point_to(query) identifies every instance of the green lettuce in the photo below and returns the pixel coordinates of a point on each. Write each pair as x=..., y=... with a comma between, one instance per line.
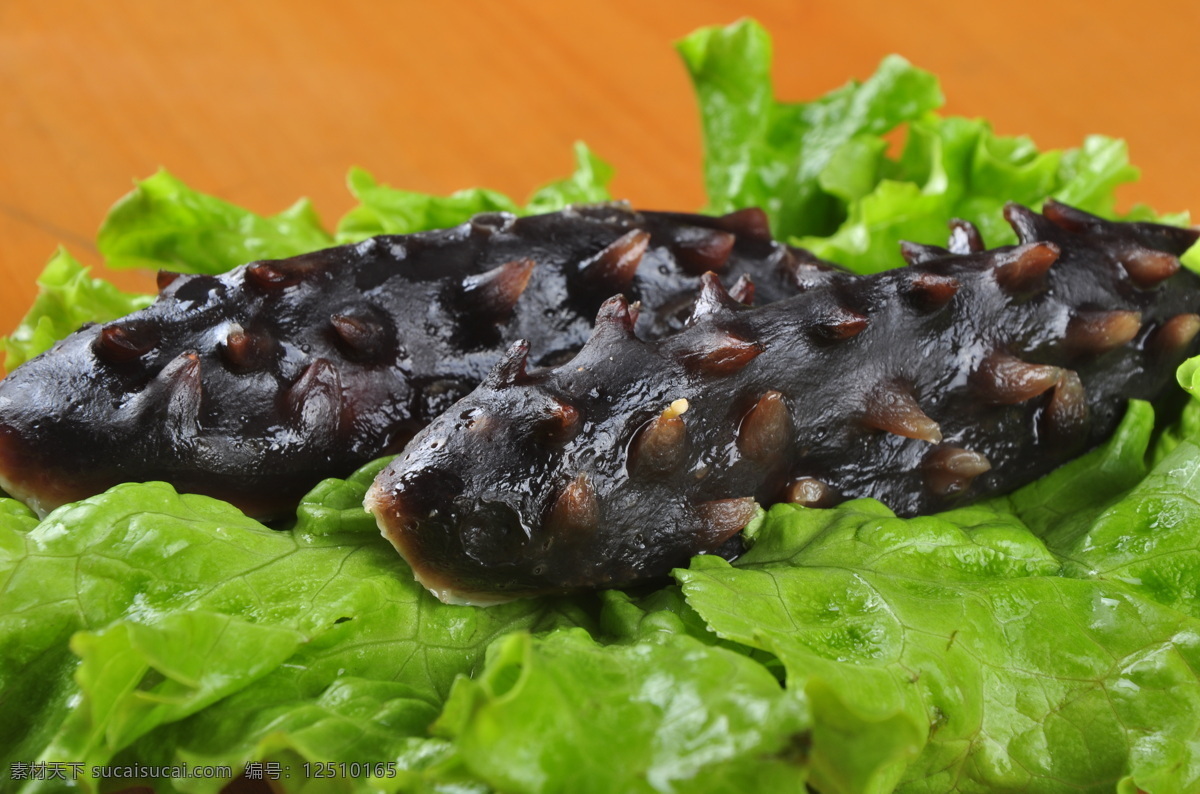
x=959, y=168
x=981, y=649
x=941, y=654
x=387, y=210
x=554, y=713
x=760, y=152
x=67, y=298
x=144, y=624
x=988, y=648
x=164, y=224
x=823, y=172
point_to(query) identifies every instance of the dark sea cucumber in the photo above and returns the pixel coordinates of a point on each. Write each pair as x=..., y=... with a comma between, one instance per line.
x=254, y=385
x=966, y=374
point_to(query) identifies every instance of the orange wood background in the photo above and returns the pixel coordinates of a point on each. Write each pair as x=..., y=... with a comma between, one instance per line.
x=261, y=102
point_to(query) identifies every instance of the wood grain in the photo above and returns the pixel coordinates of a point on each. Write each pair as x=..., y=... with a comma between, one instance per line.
x=263, y=102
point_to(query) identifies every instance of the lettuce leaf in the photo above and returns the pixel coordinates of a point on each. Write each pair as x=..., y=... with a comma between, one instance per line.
x=164, y=224
x=556, y=713
x=1148, y=540
x=957, y=650
x=1063, y=506
x=823, y=172
x=141, y=623
x=942, y=654
x=959, y=168
x=67, y=298
x=587, y=184
x=389, y=210
x=760, y=152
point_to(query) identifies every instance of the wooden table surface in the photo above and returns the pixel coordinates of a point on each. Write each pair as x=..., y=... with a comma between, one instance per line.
x=262, y=102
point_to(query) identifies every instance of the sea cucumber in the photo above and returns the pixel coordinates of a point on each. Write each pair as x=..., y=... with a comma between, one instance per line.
x=254, y=385
x=966, y=374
